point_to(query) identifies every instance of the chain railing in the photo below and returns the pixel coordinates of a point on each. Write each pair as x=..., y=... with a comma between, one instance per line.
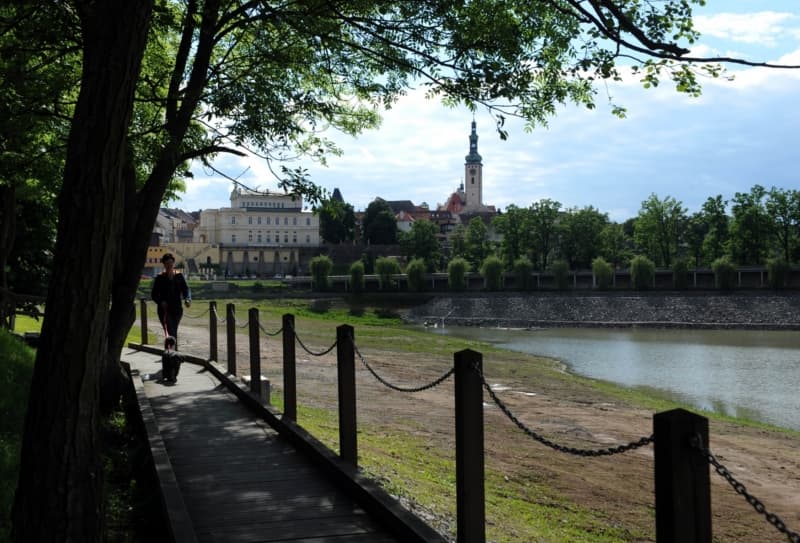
x=740, y=489
x=309, y=351
x=608, y=451
x=383, y=381
x=680, y=485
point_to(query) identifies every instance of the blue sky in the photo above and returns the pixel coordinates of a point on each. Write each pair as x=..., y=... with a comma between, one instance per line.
x=735, y=135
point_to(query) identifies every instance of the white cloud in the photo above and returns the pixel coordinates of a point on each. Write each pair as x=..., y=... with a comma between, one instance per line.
x=763, y=28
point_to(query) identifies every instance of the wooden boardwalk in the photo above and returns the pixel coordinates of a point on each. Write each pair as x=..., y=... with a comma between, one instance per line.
x=236, y=479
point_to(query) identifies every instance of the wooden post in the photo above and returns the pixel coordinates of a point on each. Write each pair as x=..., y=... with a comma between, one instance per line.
x=289, y=369
x=345, y=357
x=230, y=329
x=143, y=319
x=470, y=501
x=255, y=353
x=212, y=331
x=683, y=496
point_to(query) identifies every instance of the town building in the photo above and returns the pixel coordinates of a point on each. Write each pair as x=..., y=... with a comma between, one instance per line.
x=261, y=233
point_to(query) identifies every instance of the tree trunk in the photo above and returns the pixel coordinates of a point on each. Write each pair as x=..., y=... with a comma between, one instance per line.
x=59, y=491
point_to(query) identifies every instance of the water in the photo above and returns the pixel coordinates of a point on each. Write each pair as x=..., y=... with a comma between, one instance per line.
x=750, y=374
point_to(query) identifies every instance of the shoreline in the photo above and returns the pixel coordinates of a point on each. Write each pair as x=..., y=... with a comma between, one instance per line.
x=750, y=311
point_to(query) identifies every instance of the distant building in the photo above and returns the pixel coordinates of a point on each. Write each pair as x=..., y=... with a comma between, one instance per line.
x=261, y=233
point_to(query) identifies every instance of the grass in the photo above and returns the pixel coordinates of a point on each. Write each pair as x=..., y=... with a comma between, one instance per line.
x=129, y=504
x=15, y=377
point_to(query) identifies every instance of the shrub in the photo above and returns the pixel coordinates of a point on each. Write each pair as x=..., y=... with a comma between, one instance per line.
x=385, y=268
x=492, y=271
x=457, y=274
x=778, y=271
x=357, y=276
x=724, y=273
x=321, y=267
x=603, y=273
x=643, y=272
x=680, y=274
x=560, y=271
x=415, y=272
x=522, y=272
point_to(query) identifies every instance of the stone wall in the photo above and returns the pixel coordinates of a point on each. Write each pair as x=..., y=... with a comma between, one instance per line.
x=695, y=310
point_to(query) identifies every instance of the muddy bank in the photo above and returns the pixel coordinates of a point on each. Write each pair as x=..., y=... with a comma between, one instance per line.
x=658, y=310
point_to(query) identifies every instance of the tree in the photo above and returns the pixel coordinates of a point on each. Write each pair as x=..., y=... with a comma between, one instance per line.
x=492, y=271
x=421, y=242
x=544, y=217
x=614, y=244
x=751, y=227
x=222, y=76
x=38, y=76
x=458, y=241
x=379, y=224
x=477, y=243
x=515, y=228
x=717, y=222
x=579, y=235
x=783, y=207
x=659, y=228
x=337, y=221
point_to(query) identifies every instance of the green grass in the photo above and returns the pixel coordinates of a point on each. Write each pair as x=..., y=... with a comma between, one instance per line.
x=16, y=371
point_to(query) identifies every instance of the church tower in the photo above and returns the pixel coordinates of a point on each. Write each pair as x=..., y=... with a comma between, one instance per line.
x=473, y=174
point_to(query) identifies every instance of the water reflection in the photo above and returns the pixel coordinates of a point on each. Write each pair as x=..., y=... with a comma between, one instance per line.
x=753, y=374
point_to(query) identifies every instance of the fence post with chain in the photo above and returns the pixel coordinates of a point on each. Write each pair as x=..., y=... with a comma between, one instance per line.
x=143, y=319
x=683, y=494
x=289, y=370
x=255, y=353
x=470, y=501
x=346, y=373
x=212, y=331
x=230, y=328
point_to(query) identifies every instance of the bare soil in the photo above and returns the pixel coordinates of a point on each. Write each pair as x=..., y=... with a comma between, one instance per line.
x=569, y=411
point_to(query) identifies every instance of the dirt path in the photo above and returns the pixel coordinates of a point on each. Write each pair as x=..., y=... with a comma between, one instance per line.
x=618, y=489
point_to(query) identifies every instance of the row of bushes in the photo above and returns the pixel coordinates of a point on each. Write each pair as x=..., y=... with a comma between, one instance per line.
x=642, y=271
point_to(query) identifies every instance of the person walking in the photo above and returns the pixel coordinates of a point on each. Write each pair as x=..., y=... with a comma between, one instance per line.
x=168, y=288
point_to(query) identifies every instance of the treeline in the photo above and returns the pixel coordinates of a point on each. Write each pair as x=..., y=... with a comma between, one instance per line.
x=760, y=227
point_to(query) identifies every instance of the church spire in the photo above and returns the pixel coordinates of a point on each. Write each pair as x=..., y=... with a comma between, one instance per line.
x=473, y=157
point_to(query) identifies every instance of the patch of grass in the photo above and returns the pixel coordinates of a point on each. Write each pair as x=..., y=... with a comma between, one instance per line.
x=16, y=372
x=24, y=323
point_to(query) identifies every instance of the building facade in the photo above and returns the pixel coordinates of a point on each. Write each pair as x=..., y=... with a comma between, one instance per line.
x=260, y=234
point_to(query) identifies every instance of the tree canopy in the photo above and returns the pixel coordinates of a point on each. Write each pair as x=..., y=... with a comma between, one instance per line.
x=164, y=83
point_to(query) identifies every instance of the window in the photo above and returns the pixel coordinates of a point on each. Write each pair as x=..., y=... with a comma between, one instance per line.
x=259, y=238
x=286, y=221
x=286, y=237
x=249, y=236
x=294, y=237
x=308, y=221
x=308, y=238
x=249, y=220
x=259, y=220
x=269, y=220
x=233, y=238
x=294, y=221
x=233, y=219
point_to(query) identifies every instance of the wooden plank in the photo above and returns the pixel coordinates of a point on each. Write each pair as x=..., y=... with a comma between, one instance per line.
x=241, y=480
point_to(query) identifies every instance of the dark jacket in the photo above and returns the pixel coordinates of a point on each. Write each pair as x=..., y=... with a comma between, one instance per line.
x=170, y=290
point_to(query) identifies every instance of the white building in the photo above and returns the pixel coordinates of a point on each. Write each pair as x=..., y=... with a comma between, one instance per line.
x=261, y=233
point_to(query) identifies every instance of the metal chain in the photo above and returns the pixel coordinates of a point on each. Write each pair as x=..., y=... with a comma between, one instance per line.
x=430, y=385
x=269, y=333
x=312, y=353
x=216, y=316
x=561, y=448
x=196, y=316
x=740, y=489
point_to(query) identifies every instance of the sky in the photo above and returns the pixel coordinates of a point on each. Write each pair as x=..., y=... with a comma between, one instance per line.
x=737, y=134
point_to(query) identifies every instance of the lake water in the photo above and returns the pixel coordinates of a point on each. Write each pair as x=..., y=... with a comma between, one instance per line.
x=742, y=373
